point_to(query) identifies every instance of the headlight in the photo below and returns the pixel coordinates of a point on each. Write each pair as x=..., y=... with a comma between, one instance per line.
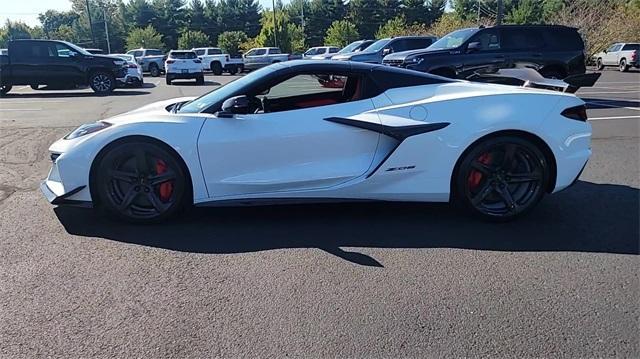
x=87, y=129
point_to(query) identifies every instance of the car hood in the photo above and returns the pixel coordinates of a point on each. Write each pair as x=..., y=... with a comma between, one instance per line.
x=404, y=54
x=359, y=53
x=106, y=57
x=150, y=112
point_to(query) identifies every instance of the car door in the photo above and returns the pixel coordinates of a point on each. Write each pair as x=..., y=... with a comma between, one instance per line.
x=65, y=64
x=488, y=54
x=611, y=57
x=523, y=48
x=253, y=58
x=289, y=150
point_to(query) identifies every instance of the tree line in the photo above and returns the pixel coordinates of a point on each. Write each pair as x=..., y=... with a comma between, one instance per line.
x=237, y=25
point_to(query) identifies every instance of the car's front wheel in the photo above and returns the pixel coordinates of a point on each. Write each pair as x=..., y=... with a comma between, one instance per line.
x=599, y=65
x=501, y=178
x=102, y=82
x=216, y=68
x=141, y=181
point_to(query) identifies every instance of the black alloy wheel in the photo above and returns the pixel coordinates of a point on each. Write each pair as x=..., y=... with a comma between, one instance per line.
x=599, y=65
x=502, y=178
x=154, y=71
x=141, y=182
x=200, y=80
x=102, y=83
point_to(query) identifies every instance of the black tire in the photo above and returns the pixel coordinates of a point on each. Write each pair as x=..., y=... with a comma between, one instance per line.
x=623, y=66
x=599, y=65
x=233, y=70
x=141, y=181
x=154, y=70
x=4, y=89
x=216, y=68
x=501, y=178
x=35, y=87
x=102, y=82
x=168, y=80
x=200, y=80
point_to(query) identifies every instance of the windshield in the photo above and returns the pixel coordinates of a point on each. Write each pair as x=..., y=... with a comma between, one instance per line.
x=453, y=40
x=224, y=92
x=312, y=51
x=378, y=45
x=76, y=48
x=349, y=48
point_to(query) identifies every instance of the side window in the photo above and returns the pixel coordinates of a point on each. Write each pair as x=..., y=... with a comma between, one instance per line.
x=521, y=39
x=611, y=48
x=60, y=50
x=274, y=51
x=616, y=48
x=154, y=52
x=419, y=43
x=631, y=47
x=136, y=53
x=312, y=90
x=214, y=52
x=398, y=45
x=333, y=50
x=488, y=39
x=259, y=52
x=199, y=52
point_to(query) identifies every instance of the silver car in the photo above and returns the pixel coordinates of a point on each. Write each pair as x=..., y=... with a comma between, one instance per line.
x=134, y=71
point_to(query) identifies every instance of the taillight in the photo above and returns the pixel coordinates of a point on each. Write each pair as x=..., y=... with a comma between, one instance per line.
x=226, y=57
x=634, y=55
x=576, y=113
x=132, y=66
x=197, y=61
x=170, y=61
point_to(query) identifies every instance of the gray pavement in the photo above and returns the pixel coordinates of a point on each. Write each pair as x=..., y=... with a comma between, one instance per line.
x=374, y=280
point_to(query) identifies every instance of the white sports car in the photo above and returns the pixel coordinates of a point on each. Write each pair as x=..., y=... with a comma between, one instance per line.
x=317, y=131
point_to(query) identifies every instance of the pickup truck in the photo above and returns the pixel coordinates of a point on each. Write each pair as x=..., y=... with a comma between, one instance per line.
x=151, y=60
x=263, y=56
x=58, y=64
x=213, y=59
x=623, y=55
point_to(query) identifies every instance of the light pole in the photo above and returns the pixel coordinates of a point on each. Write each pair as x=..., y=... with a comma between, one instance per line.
x=93, y=38
x=275, y=25
x=106, y=29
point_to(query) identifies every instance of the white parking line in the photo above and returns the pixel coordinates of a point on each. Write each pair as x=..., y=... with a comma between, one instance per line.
x=616, y=82
x=612, y=118
x=35, y=101
x=21, y=109
x=607, y=92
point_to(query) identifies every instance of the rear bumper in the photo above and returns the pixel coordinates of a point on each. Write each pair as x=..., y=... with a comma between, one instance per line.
x=189, y=75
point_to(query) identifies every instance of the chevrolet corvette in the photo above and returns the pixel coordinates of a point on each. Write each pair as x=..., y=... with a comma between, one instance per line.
x=311, y=131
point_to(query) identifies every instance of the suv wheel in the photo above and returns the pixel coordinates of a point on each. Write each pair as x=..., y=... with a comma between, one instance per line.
x=233, y=70
x=102, y=82
x=216, y=68
x=623, y=65
x=154, y=70
x=599, y=65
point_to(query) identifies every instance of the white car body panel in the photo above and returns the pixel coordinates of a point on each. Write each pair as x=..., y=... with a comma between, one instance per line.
x=299, y=154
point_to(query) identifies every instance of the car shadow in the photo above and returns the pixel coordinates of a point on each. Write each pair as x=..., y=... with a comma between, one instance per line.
x=597, y=103
x=61, y=94
x=589, y=217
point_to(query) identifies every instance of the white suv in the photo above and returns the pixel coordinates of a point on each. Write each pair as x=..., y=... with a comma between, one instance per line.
x=183, y=64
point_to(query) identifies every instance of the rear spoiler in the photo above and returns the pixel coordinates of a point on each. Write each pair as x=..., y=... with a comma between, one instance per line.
x=527, y=77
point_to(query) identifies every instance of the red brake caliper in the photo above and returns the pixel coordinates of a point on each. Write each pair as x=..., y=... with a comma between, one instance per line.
x=476, y=176
x=166, y=188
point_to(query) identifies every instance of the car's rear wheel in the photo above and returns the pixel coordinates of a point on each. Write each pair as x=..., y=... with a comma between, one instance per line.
x=102, y=82
x=623, y=66
x=501, y=178
x=233, y=70
x=4, y=89
x=168, y=79
x=141, y=182
x=599, y=65
x=216, y=68
x=154, y=70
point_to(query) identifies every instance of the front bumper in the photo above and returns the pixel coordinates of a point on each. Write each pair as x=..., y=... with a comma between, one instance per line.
x=63, y=199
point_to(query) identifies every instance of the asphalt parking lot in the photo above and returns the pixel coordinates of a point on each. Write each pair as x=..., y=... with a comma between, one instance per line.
x=357, y=280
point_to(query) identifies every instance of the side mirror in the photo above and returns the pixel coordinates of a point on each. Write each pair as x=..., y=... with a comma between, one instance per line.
x=473, y=46
x=386, y=51
x=233, y=105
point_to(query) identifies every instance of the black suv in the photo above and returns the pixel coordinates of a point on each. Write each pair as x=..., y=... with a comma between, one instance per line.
x=554, y=51
x=58, y=64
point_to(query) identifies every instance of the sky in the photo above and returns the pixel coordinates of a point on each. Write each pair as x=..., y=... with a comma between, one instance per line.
x=27, y=10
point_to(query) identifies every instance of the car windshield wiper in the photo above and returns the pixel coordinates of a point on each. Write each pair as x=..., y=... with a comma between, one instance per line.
x=178, y=106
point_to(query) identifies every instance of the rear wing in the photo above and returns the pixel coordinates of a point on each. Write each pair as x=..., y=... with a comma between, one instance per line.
x=527, y=77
